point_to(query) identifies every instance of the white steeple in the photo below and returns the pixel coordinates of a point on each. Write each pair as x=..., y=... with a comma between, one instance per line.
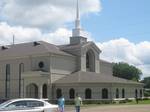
x=77, y=21
x=78, y=31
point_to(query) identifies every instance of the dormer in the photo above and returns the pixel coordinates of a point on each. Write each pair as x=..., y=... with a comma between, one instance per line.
x=4, y=47
x=36, y=43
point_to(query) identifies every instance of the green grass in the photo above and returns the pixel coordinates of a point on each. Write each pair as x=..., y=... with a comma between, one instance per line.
x=139, y=102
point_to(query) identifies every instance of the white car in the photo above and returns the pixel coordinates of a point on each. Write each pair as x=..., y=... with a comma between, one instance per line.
x=27, y=105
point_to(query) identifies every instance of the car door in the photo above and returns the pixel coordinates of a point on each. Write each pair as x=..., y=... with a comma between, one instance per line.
x=34, y=104
x=22, y=106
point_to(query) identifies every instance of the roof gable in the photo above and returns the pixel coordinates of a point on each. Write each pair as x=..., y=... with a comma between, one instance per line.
x=92, y=45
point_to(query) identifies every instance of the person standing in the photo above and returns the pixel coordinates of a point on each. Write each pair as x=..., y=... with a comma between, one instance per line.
x=61, y=103
x=78, y=103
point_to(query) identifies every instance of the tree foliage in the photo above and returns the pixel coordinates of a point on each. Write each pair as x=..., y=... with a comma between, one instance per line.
x=146, y=82
x=124, y=70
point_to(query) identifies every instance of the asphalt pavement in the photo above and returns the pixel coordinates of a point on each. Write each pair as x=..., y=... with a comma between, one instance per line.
x=112, y=108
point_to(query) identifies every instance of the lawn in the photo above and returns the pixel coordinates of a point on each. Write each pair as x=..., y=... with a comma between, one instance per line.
x=139, y=102
x=131, y=102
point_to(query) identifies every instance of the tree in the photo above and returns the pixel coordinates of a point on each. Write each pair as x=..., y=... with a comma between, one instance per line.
x=146, y=82
x=124, y=70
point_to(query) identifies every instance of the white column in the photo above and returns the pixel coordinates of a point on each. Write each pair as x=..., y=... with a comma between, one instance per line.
x=22, y=88
x=40, y=92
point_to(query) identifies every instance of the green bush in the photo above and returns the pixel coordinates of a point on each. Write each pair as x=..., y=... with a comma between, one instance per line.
x=145, y=98
x=71, y=102
x=147, y=93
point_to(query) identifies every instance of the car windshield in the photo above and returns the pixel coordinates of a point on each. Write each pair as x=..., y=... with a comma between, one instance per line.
x=6, y=102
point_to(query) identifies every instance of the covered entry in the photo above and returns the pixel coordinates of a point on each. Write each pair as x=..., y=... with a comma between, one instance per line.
x=32, y=91
x=35, y=84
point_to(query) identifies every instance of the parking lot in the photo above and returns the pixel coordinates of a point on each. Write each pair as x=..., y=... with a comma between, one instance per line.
x=112, y=108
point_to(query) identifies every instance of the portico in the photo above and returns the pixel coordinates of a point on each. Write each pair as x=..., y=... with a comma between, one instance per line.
x=35, y=84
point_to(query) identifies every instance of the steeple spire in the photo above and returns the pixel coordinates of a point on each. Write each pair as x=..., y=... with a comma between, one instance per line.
x=78, y=34
x=78, y=31
x=77, y=21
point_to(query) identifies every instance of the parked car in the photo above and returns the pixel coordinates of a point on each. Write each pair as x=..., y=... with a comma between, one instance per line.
x=27, y=105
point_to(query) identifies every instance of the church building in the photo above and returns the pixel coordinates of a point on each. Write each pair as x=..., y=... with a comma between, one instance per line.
x=43, y=70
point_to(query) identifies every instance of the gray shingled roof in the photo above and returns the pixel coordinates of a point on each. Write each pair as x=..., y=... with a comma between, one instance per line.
x=26, y=49
x=72, y=46
x=91, y=77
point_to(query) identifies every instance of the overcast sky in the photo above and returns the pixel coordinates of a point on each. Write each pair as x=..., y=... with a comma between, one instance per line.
x=120, y=28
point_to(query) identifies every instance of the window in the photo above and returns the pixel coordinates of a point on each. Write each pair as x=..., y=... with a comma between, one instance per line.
x=32, y=91
x=87, y=61
x=72, y=93
x=117, y=93
x=104, y=93
x=26, y=103
x=44, y=91
x=35, y=104
x=141, y=93
x=88, y=93
x=18, y=104
x=90, y=61
x=41, y=64
x=58, y=93
x=123, y=93
x=7, y=81
x=8, y=72
x=136, y=93
x=21, y=70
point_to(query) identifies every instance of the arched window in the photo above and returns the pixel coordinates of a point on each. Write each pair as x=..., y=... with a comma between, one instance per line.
x=117, y=93
x=141, y=93
x=58, y=93
x=87, y=61
x=32, y=91
x=104, y=93
x=7, y=81
x=72, y=93
x=90, y=61
x=88, y=93
x=136, y=93
x=44, y=91
x=21, y=70
x=123, y=93
x=21, y=67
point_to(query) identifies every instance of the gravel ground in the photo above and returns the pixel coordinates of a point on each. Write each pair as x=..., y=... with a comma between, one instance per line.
x=113, y=108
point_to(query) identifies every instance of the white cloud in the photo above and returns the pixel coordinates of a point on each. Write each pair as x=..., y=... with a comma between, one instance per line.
x=60, y=36
x=28, y=19
x=123, y=50
x=44, y=13
x=23, y=34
